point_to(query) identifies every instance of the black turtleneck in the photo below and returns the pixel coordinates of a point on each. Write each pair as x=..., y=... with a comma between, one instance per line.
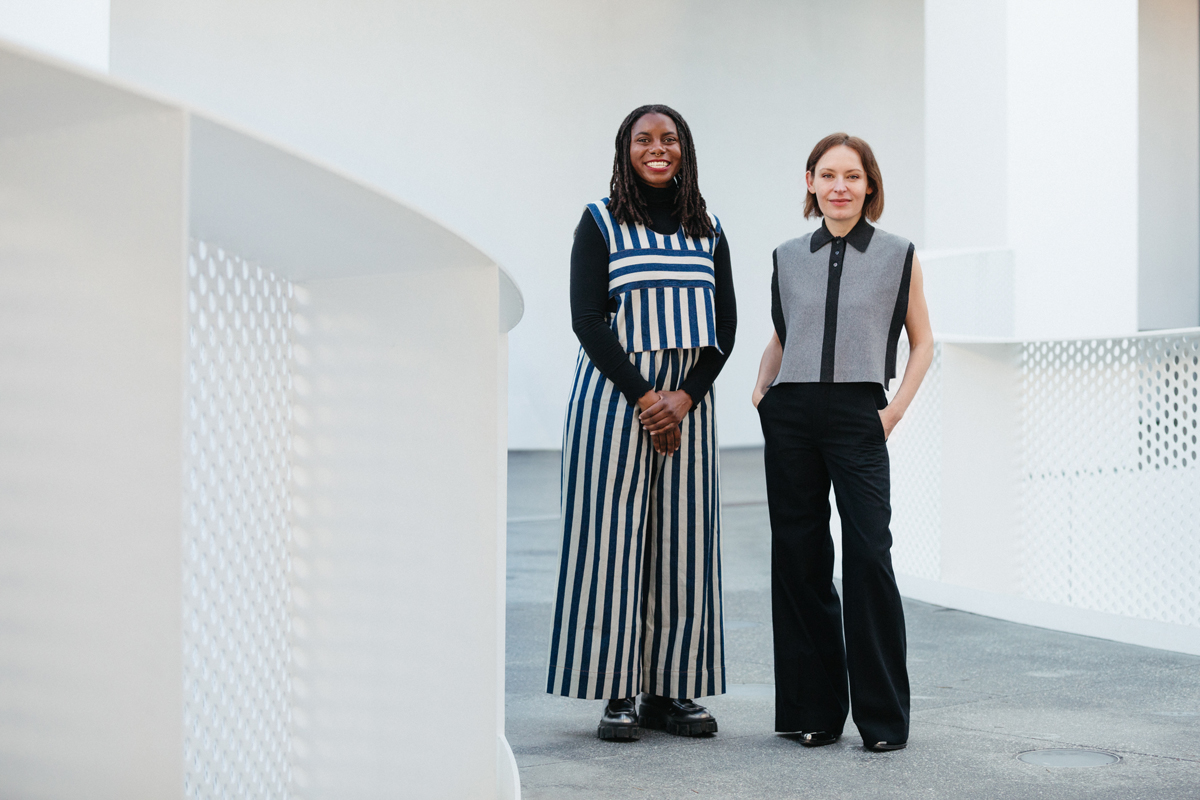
x=591, y=307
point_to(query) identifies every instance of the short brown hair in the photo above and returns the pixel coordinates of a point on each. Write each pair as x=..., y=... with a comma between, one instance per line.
x=873, y=206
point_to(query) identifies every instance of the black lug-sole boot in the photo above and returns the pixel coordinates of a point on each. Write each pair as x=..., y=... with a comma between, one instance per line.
x=620, y=721
x=680, y=717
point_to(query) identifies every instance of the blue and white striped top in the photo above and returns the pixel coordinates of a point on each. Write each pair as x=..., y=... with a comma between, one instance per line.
x=663, y=284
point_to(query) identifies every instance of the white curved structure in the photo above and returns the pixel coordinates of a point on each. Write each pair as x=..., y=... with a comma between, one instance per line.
x=203, y=331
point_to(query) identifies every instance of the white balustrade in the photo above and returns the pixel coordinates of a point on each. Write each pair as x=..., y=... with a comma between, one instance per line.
x=1056, y=483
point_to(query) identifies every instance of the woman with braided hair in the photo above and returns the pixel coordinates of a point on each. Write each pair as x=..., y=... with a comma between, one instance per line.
x=638, y=608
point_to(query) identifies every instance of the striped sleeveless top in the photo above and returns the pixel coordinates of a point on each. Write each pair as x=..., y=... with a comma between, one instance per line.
x=663, y=284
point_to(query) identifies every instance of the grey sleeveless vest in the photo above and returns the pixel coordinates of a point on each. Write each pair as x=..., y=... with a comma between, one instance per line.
x=840, y=305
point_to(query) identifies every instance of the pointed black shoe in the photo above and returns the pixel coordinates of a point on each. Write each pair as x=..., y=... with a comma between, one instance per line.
x=885, y=747
x=620, y=720
x=680, y=717
x=818, y=738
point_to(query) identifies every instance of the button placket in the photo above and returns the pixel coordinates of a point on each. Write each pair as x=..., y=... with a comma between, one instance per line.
x=831, y=305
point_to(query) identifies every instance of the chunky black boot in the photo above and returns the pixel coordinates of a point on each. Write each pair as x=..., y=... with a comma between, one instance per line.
x=620, y=720
x=680, y=716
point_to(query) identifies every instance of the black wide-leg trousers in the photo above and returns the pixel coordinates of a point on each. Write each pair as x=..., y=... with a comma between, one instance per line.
x=818, y=433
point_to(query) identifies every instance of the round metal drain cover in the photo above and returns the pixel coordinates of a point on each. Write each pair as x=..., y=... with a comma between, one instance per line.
x=1063, y=757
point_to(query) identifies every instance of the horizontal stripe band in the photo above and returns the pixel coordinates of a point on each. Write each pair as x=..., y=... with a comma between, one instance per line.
x=659, y=284
x=665, y=276
x=666, y=272
x=659, y=260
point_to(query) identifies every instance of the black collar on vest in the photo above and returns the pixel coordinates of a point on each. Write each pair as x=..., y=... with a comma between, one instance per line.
x=859, y=236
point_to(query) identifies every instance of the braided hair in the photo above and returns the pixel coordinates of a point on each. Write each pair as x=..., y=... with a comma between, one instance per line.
x=627, y=204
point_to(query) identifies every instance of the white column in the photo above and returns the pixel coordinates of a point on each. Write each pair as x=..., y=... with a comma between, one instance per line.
x=1072, y=165
x=1032, y=145
x=1169, y=155
x=966, y=107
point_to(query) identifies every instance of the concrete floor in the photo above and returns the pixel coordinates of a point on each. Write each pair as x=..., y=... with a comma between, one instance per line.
x=984, y=691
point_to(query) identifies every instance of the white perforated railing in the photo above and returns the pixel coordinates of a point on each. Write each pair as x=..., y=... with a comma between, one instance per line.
x=1107, y=486
x=236, y=534
x=1109, y=483
x=916, y=485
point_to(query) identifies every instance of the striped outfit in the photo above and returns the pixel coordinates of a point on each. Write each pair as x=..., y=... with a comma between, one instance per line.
x=638, y=606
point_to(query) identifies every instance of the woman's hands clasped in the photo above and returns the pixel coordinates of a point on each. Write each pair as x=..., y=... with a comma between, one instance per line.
x=661, y=415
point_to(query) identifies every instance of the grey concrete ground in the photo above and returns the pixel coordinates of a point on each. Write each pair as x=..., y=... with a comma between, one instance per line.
x=984, y=691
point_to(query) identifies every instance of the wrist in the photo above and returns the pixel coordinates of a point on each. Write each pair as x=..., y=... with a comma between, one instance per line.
x=648, y=399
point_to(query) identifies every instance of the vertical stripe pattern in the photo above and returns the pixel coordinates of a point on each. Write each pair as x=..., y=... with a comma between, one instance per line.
x=663, y=285
x=638, y=605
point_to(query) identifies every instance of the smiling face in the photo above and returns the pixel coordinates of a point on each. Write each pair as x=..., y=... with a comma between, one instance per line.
x=654, y=149
x=840, y=184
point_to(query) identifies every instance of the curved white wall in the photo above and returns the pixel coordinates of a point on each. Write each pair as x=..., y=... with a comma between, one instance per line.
x=234, y=485
x=498, y=118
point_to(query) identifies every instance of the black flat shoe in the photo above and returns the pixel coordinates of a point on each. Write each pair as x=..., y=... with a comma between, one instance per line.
x=885, y=747
x=818, y=738
x=680, y=717
x=620, y=720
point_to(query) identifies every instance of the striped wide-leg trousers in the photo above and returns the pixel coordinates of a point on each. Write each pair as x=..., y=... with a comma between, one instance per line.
x=638, y=605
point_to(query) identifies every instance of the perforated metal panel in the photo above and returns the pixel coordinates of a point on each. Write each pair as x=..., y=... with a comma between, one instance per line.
x=915, y=448
x=1168, y=377
x=1109, y=485
x=236, y=533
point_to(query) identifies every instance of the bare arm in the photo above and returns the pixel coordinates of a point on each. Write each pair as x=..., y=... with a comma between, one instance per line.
x=768, y=368
x=920, y=356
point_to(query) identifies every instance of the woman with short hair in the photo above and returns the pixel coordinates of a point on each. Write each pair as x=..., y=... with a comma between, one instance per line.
x=638, y=607
x=840, y=296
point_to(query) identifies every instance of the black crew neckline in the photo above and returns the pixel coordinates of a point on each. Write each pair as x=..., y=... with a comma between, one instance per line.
x=859, y=236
